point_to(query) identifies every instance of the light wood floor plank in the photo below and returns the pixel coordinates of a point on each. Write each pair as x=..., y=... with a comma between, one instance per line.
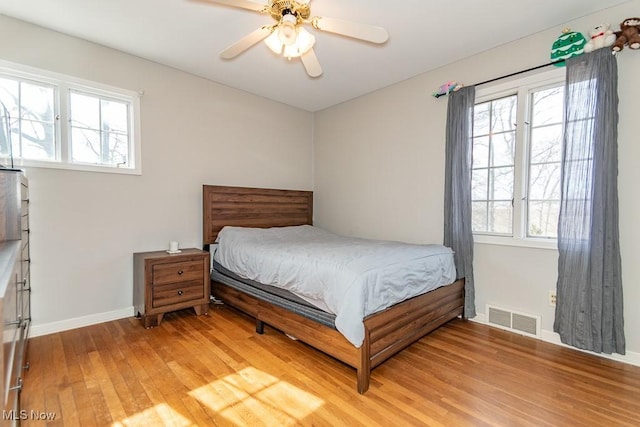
x=216, y=371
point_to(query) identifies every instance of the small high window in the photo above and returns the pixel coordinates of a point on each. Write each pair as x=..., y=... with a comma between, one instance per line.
x=63, y=122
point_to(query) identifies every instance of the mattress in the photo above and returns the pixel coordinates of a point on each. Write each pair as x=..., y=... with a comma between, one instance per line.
x=348, y=277
x=276, y=296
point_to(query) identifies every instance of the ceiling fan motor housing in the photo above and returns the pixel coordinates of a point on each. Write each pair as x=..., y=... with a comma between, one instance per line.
x=278, y=8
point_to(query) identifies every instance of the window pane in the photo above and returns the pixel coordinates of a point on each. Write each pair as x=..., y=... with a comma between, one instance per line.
x=85, y=145
x=85, y=111
x=479, y=214
x=481, y=119
x=548, y=106
x=39, y=149
x=5, y=132
x=114, y=116
x=544, y=182
x=100, y=130
x=500, y=217
x=546, y=144
x=15, y=138
x=503, y=114
x=479, y=184
x=37, y=141
x=493, y=160
x=32, y=127
x=502, y=184
x=9, y=96
x=545, y=168
x=118, y=150
x=543, y=219
x=480, y=152
x=36, y=102
x=503, y=149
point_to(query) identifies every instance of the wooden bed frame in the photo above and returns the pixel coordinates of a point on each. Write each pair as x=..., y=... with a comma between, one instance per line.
x=386, y=332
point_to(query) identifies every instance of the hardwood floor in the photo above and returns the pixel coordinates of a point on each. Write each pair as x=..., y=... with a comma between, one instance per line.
x=214, y=370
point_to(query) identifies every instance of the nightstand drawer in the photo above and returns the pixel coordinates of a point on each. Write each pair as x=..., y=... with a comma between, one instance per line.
x=176, y=293
x=177, y=272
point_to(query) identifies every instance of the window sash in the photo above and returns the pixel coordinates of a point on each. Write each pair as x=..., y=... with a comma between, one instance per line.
x=99, y=130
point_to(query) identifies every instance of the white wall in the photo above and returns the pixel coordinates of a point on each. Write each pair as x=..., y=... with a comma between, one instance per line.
x=379, y=172
x=86, y=226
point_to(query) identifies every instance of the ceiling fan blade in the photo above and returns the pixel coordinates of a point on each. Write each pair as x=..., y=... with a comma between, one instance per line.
x=311, y=63
x=244, y=4
x=369, y=33
x=246, y=42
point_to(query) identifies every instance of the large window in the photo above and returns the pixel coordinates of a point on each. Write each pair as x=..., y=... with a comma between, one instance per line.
x=517, y=148
x=62, y=122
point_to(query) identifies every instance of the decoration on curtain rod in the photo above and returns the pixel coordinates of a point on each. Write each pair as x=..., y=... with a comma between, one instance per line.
x=452, y=86
x=569, y=44
x=447, y=88
x=601, y=36
x=628, y=35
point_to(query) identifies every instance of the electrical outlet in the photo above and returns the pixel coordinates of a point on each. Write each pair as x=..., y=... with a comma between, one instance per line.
x=552, y=298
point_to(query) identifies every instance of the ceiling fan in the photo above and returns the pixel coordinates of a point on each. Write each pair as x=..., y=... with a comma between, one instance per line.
x=288, y=37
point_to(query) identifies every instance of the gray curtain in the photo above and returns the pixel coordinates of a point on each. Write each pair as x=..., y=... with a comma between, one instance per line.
x=457, y=193
x=589, y=290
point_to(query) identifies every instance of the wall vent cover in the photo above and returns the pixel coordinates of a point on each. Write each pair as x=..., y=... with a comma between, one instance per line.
x=522, y=323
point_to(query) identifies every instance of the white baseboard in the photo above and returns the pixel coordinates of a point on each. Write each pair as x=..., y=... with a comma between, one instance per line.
x=37, y=330
x=632, y=358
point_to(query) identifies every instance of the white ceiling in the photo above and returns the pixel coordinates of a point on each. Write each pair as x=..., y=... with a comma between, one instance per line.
x=190, y=34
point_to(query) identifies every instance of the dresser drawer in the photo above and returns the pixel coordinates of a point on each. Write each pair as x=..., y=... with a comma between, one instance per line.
x=177, y=293
x=24, y=220
x=177, y=272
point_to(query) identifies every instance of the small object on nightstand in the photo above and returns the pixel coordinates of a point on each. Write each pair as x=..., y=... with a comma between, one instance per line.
x=167, y=282
x=177, y=251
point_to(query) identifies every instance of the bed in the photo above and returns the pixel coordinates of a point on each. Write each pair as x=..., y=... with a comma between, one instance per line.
x=386, y=332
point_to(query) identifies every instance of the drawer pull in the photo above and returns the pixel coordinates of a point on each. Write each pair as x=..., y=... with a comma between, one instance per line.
x=180, y=272
x=180, y=293
x=17, y=386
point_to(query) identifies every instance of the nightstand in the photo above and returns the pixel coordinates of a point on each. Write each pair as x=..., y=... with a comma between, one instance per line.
x=164, y=282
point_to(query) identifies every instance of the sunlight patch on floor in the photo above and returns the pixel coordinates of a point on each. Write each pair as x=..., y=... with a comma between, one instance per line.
x=255, y=396
x=159, y=413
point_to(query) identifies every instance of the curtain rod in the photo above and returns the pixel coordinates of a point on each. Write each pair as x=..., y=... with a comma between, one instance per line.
x=558, y=62
x=520, y=72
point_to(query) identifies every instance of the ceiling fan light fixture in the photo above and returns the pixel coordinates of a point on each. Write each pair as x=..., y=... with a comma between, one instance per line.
x=287, y=29
x=287, y=36
x=274, y=43
x=303, y=41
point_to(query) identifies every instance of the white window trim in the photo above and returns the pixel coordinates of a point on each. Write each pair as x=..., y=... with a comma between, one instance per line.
x=519, y=86
x=63, y=84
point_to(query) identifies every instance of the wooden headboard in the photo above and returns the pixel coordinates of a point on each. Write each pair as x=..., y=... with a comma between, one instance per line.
x=252, y=207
